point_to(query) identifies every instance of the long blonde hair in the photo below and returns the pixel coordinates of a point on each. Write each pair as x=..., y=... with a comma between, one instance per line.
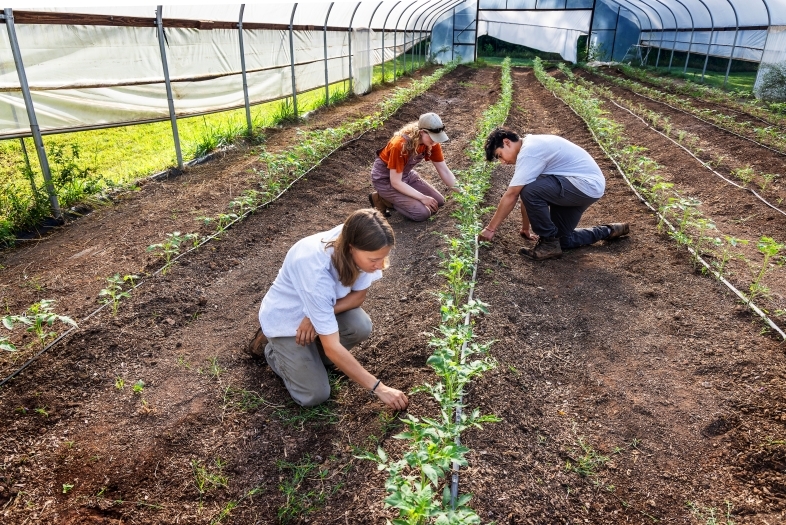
x=365, y=230
x=412, y=131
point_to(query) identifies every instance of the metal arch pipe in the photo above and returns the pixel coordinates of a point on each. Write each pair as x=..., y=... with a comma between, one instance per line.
x=406, y=24
x=414, y=25
x=674, y=42
x=168, y=83
x=324, y=37
x=8, y=15
x=243, y=68
x=734, y=44
x=383, y=39
x=395, y=34
x=437, y=11
x=709, y=43
x=368, y=44
x=692, y=31
x=292, y=59
x=430, y=9
x=641, y=26
x=662, y=27
x=435, y=18
x=349, y=33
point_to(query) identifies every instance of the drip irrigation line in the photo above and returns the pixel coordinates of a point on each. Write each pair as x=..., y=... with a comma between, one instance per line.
x=693, y=252
x=705, y=121
x=762, y=199
x=454, y=479
x=725, y=105
x=204, y=241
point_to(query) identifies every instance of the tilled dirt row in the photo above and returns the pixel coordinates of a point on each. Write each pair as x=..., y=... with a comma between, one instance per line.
x=71, y=265
x=628, y=384
x=197, y=436
x=735, y=212
x=738, y=115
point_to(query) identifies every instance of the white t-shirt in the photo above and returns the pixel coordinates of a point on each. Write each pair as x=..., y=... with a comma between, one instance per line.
x=553, y=155
x=308, y=285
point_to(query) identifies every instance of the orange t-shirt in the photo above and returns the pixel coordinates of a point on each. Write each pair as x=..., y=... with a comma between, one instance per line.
x=395, y=157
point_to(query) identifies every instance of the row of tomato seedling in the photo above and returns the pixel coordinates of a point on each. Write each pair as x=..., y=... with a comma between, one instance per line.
x=747, y=176
x=280, y=171
x=738, y=100
x=418, y=483
x=770, y=135
x=691, y=228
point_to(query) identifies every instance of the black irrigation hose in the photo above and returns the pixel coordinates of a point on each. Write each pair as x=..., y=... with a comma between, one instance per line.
x=762, y=199
x=205, y=240
x=693, y=252
x=705, y=121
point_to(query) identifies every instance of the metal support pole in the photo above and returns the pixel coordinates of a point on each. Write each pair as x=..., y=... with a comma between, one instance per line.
x=616, y=27
x=368, y=40
x=406, y=24
x=709, y=44
x=589, y=33
x=692, y=31
x=734, y=44
x=383, y=40
x=243, y=68
x=324, y=36
x=453, y=38
x=477, y=15
x=395, y=46
x=169, y=98
x=674, y=41
x=349, y=32
x=8, y=14
x=433, y=18
x=292, y=60
x=412, y=50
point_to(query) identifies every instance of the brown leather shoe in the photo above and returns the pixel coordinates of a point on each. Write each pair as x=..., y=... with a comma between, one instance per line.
x=380, y=204
x=546, y=248
x=618, y=229
x=256, y=347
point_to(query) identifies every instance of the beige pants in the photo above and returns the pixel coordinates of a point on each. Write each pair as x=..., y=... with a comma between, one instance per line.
x=303, y=367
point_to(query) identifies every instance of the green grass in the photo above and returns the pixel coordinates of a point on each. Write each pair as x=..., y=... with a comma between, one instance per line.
x=497, y=61
x=742, y=81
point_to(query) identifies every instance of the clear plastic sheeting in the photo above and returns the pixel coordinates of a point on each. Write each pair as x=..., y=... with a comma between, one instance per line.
x=102, y=66
x=748, y=46
x=453, y=35
x=771, y=78
x=550, y=31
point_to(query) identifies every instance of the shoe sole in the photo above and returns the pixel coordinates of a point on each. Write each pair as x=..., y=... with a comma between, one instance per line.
x=385, y=213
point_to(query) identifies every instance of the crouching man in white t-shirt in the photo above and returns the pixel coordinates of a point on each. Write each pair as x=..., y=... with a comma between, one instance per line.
x=311, y=315
x=556, y=181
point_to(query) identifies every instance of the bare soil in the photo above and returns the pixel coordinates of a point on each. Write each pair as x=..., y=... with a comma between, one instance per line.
x=620, y=348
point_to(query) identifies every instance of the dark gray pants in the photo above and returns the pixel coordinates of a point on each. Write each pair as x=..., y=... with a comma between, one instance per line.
x=555, y=207
x=303, y=367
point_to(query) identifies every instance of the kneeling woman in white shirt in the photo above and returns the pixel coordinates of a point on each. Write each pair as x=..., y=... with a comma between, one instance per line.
x=312, y=316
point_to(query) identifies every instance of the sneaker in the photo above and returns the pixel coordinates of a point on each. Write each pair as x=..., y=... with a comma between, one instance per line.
x=618, y=229
x=545, y=248
x=256, y=347
x=380, y=204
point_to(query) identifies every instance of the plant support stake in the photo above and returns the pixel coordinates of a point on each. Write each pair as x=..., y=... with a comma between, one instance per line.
x=8, y=15
x=169, y=99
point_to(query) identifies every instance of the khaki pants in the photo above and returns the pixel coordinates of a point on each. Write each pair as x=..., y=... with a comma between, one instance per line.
x=303, y=367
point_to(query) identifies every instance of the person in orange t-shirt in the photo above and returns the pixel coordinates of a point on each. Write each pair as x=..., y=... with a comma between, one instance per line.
x=398, y=186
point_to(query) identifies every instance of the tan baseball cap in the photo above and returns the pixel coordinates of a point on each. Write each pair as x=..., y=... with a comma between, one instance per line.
x=433, y=124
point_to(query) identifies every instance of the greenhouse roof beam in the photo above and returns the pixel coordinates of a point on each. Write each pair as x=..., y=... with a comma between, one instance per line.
x=662, y=27
x=692, y=32
x=395, y=34
x=35, y=17
x=674, y=41
x=641, y=26
x=325, y=49
x=427, y=12
x=436, y=14
x=349, y=31
x=707, y=55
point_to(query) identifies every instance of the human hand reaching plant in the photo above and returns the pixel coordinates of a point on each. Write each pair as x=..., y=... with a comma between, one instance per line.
x=486, y=234
x=395, y=399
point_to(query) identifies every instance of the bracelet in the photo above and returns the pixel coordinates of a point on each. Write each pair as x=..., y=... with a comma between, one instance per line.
x=489, y=229
x=375, y=385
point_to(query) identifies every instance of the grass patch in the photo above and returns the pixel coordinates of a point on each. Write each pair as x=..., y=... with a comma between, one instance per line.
x=306, y=490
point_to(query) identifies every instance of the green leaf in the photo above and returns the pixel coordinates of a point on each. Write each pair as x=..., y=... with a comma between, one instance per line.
x=432, y=473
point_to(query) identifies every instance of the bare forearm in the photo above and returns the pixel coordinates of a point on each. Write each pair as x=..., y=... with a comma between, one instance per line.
x=506, y=205
x=346, y=362
x=349, y=301
x=402, y=187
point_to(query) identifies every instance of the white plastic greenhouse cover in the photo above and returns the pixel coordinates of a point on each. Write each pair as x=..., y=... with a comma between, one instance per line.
x=101, y=66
